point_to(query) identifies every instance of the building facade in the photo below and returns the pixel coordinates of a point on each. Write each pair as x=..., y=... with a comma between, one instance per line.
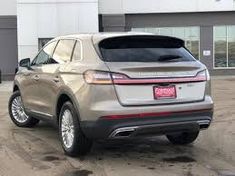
x=42, y=20
x=8, y=38
x=208, y=27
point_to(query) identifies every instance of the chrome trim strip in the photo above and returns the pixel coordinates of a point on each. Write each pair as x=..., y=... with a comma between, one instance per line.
x=134, y=128
x=41, y=113
x=203, y=122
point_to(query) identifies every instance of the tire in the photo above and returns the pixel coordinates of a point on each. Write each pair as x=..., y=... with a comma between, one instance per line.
x=183, y=138
x=17, y=112
x=69, y=127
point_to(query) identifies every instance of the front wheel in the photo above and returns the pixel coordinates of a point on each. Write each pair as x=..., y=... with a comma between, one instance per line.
x=17, y=112
x=74, y=142
x=183, y=138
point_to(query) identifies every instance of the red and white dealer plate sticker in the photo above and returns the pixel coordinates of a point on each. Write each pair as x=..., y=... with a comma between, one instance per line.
x=164, y=92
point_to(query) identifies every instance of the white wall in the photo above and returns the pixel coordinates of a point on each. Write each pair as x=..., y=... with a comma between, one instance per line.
x=163, y=6
x=51, y=18
x=7, y=7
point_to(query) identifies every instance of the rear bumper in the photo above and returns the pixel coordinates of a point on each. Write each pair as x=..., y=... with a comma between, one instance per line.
x=148, y=126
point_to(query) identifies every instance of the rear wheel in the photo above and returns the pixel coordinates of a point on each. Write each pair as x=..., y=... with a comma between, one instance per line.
x=183, y=138
x=74, y=142
x=17, y=112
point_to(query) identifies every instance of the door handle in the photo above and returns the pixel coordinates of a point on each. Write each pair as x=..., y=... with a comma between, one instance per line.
x=56, y=79
x=36, y=77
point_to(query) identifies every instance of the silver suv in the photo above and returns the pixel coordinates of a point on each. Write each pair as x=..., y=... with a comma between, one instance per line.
x=113, y=86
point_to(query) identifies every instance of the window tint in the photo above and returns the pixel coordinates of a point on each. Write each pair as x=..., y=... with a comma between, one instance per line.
x=77, y=52
x=144, y=49
x=191, y=36
x=45, y=54
x=63, y=51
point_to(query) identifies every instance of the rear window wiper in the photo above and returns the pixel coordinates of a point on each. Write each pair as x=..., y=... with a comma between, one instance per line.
x=169, y=58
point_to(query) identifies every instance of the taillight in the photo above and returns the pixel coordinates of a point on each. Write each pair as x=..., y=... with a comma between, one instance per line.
x=102, y=77
x=97, y=77
x=203, y=75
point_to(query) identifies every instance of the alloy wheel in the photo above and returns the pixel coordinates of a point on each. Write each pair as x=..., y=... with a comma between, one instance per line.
x=67, y=129
x=17, y=110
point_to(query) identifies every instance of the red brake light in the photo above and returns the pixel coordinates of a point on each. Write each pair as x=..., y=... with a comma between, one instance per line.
x=103, y=77
x=152, y=114
x=202, y=76
x=97, y=77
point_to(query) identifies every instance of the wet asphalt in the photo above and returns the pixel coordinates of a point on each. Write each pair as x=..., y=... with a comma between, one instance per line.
x=37, y=151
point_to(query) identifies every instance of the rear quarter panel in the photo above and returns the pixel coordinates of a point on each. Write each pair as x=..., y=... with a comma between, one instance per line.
x=73, y=84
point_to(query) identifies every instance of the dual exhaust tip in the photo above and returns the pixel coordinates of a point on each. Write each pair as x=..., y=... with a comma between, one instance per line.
x=126, y=132
x=123, y=132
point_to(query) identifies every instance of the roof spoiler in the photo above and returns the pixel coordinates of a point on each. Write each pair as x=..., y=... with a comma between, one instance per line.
x=140, y=41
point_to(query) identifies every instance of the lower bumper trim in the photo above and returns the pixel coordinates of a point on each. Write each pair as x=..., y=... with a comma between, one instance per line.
x=159, y=129
x=148, y=126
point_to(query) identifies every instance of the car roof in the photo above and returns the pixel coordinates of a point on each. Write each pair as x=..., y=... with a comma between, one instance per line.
x=97, y=37
x=101, y=35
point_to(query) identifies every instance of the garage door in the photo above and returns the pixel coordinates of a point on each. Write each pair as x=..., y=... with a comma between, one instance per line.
x=8, y=47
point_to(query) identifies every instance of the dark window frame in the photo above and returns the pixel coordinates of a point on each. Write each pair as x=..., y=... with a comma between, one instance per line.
x=81, y=50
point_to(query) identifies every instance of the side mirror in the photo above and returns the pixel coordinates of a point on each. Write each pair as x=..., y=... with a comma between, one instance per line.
x=25, y=63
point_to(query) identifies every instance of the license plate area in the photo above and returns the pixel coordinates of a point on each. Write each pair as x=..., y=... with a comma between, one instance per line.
x=164, y=92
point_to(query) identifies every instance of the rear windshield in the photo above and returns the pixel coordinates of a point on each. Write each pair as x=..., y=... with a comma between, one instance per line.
x=144, y=49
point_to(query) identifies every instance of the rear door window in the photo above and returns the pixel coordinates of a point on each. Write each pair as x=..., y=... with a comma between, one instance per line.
x=63, y=51
x=144, y=49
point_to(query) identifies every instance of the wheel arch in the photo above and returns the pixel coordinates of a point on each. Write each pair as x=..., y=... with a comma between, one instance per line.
x=62, y=98
x=16, y=87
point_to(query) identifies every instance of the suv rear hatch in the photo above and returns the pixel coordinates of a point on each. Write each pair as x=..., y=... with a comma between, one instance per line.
x=151, y=70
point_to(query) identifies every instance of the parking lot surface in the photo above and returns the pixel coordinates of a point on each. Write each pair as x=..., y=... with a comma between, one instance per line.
x=37, y=151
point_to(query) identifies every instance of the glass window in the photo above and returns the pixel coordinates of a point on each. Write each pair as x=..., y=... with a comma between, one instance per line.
x=138, y=30
x=45, y=54
x=220, y=45
x=191, y=36
x=220, y=31
x=148, y=49
x=63, y=51
x=178, y=32
x=77, y=52
x=231, y=46
x=191, y=32
x=166, y=31
x=152, y=30
x=224, y=46
x=42, y=42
